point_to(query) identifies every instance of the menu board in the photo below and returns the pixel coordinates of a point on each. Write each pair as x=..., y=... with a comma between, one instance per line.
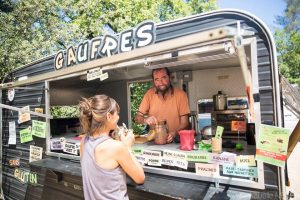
x=25, y=135
x=39, y=129
x=272, y=145
x=35, y=153
x=199, y=162
x=238, y=126
x=24, y=116
x=12, y=133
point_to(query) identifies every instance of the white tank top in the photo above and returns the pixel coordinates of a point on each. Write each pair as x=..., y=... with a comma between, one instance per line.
x=99, y=183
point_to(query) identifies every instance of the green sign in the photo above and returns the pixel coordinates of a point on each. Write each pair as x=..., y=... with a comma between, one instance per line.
x=137, y=150
x=39, y=128
x=219, y=131
x=25, y=135
x=240, y=171
x=198, y=157
x=272, y=145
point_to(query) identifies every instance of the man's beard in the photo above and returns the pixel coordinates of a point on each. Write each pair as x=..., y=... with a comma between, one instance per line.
x=163, y=91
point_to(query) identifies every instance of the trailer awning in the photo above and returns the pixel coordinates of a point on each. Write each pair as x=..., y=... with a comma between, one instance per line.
x=116, y=61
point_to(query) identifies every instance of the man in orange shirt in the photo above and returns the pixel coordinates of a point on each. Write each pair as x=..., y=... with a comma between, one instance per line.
x=164, y=102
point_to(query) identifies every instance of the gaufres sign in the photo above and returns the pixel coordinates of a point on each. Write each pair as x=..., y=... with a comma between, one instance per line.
x=142, y=35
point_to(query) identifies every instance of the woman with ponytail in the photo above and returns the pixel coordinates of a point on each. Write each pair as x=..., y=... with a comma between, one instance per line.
x=105, y=161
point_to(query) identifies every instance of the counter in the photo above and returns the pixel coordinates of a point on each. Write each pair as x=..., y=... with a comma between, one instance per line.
x=63, y=181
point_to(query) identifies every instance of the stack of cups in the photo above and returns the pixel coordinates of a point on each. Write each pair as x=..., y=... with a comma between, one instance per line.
x=216, y=145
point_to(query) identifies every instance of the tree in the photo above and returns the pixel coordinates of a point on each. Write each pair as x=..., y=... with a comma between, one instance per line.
x=288, y=41
x=32, y=29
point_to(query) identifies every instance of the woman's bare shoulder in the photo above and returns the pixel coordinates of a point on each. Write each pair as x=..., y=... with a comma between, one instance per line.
x=114, y=146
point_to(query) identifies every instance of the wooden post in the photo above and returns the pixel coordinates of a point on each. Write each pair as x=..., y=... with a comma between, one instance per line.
x=294, y=139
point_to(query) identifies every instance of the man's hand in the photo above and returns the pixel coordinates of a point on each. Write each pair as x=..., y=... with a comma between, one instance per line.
x=171, y=137
x=150, y=120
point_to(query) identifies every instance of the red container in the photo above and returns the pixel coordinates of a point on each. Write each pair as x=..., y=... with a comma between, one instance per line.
x=187, y=139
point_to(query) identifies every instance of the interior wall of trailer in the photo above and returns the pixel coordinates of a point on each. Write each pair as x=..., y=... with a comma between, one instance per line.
x=208, y=82
x=69, y=92
x=118, y=91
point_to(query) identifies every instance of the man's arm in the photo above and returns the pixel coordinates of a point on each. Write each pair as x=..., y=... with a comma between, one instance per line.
x=184, y=123
x=139, y=118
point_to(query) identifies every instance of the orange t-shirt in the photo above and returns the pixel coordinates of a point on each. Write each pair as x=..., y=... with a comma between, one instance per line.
x=171, y=108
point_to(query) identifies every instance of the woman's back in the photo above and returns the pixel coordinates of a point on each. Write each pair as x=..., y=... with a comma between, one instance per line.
x=99, y=183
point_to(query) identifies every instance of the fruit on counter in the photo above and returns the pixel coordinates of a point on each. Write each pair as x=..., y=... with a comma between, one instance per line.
x=239, y=147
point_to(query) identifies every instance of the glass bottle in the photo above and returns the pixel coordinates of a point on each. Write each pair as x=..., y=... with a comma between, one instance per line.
x=161, y=134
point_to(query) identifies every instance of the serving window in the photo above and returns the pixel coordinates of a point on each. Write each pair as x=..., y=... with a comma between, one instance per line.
x=209, y=72
x=201, y=71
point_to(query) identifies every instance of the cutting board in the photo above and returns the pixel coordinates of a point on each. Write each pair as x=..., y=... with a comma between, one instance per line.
x=140, y=140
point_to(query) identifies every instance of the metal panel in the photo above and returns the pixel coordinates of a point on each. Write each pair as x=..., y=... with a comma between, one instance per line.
x=13, y=188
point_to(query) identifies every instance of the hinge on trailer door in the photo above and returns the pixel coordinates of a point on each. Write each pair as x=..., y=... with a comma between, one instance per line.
x=256, y=97
x=238, y=37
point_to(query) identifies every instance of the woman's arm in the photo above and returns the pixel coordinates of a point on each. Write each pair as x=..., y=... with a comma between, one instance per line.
x=81, y=146
x=129, y=164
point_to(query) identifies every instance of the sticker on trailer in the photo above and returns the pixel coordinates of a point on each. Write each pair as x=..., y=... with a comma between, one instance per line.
x=208, y=170
x=167, y=161
x=93, y=74
x=35, y=153
x=181, y=164
x=154, y=161
x=56, y=145
x=174, y=154
x=103, y=76
x=25, y=176
x=70, y=148
x=141, y=159
x=243, y=171
x=14, y=162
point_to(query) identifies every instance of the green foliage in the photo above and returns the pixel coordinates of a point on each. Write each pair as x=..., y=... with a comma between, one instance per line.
x=137, y=91
x=288, y=42
x=288, y=45
x=32, y=29
x=64, y=111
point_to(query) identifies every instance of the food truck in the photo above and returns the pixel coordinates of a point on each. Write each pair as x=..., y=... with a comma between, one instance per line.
x=224, y=60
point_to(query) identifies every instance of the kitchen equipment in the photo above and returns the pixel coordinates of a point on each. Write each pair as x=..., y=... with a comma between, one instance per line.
x=187, y=139
x=220, y=101
x=207, y=132
x=225, y=118
x=205, y=106
x=141, y=139
x=237, y=103
x=194, y=121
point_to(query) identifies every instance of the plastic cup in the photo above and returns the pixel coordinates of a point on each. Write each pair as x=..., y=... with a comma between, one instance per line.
x=216, y=145
x=187, y=140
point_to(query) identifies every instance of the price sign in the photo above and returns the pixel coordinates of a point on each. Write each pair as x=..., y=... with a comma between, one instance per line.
x=14, y=162
x=238, y=126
